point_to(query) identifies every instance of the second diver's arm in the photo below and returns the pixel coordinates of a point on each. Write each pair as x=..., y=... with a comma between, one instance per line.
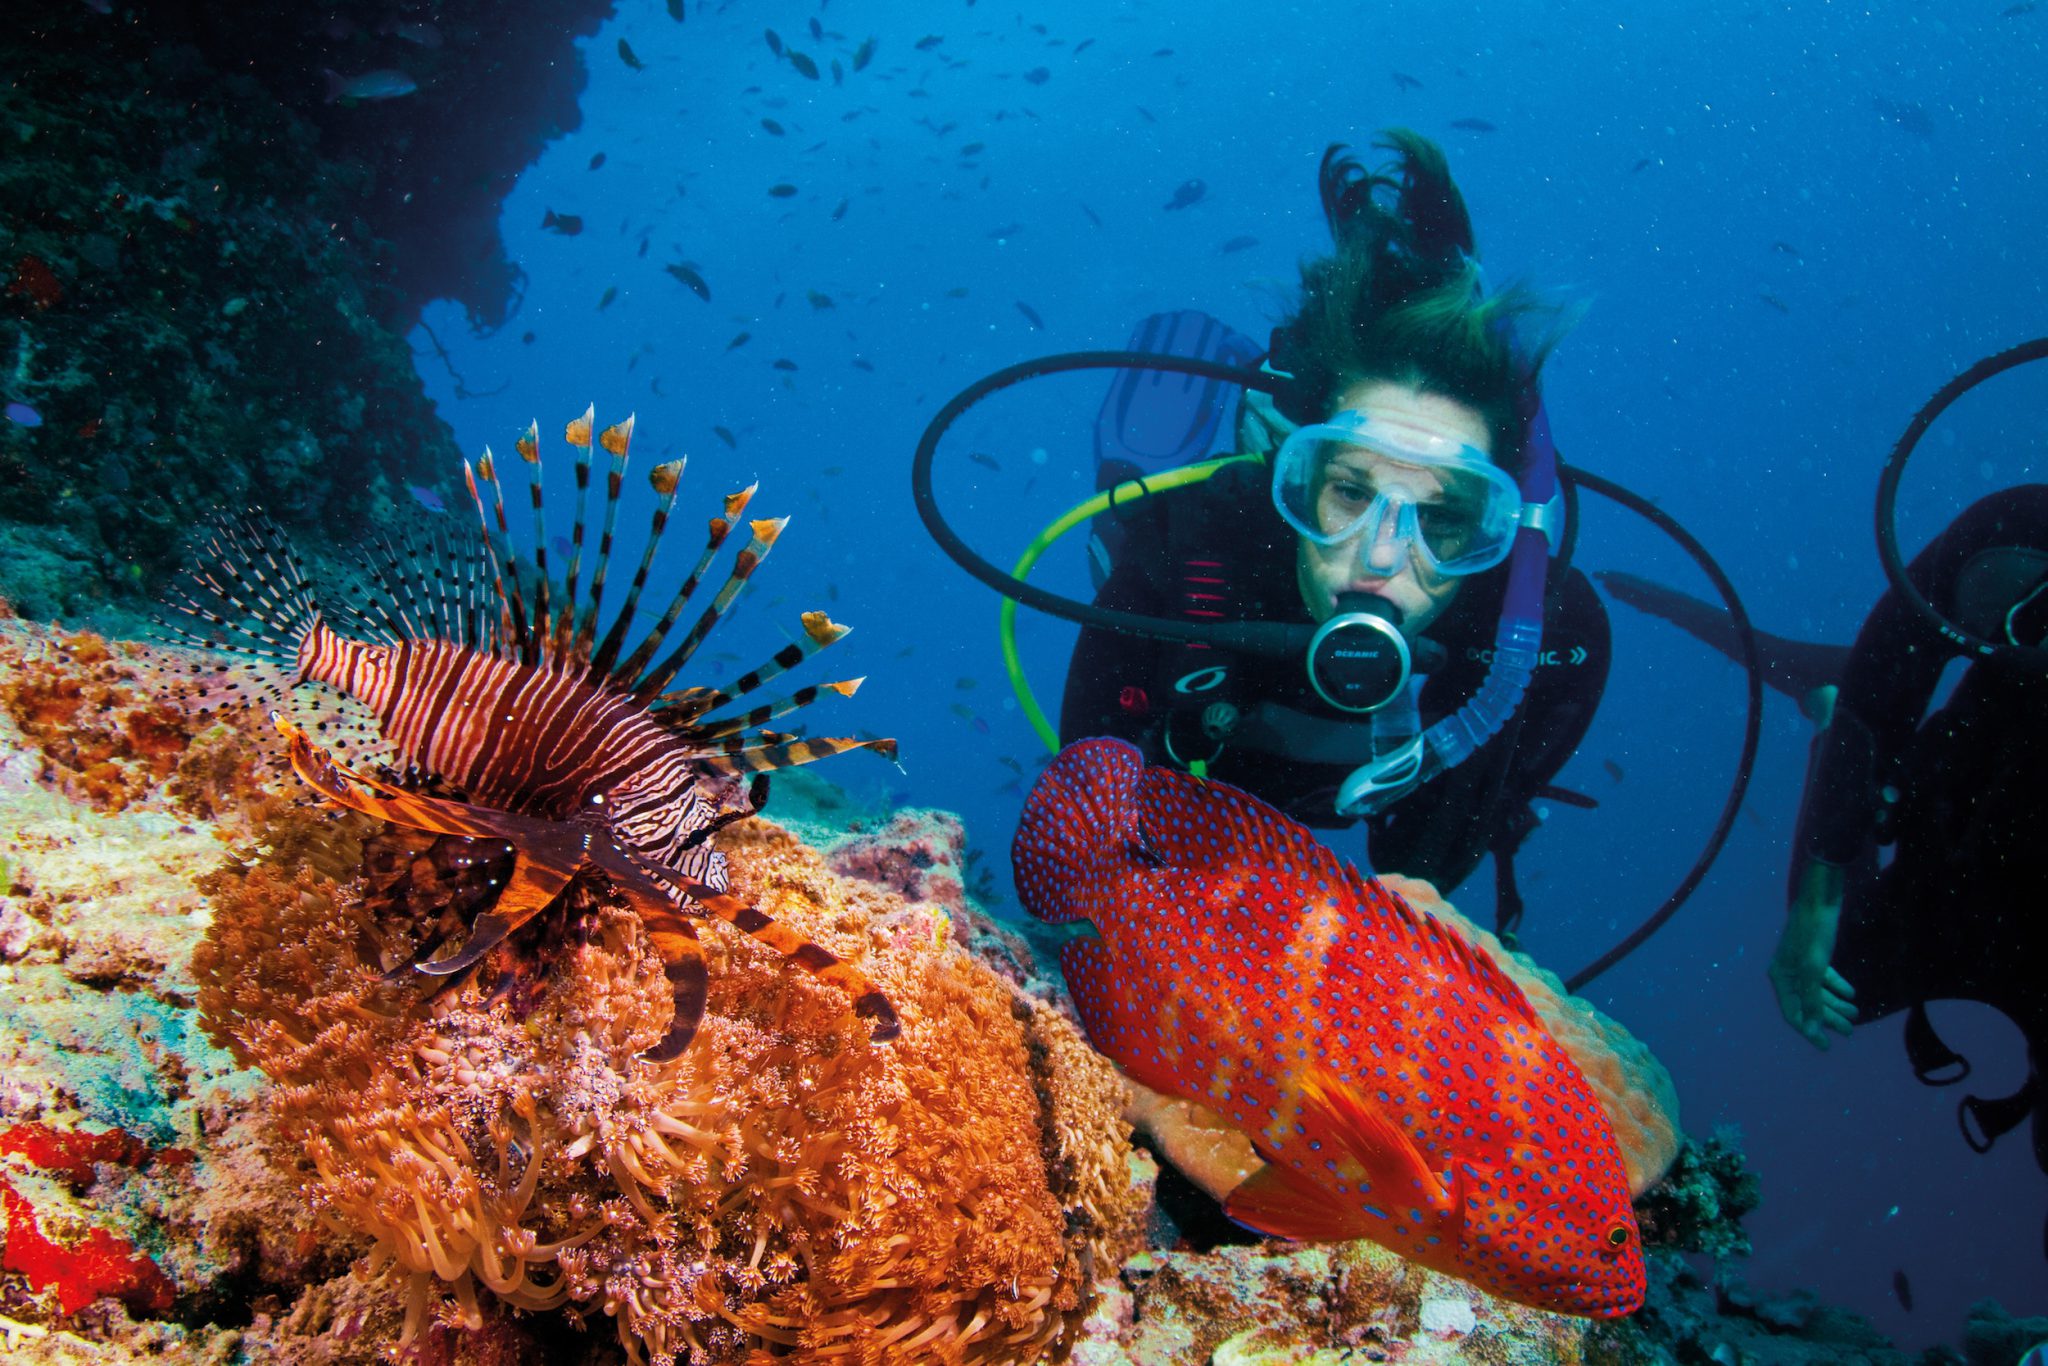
x=1813, y=997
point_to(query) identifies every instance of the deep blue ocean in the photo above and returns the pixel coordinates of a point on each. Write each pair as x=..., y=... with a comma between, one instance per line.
x=1787, y=225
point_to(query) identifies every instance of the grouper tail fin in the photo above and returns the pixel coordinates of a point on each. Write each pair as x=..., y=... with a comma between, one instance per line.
x=1075, y=826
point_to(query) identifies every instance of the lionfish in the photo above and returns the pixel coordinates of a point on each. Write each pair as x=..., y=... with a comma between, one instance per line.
x=578, y=758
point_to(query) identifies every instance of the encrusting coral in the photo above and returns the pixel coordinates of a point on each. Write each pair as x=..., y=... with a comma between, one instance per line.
x=784, y=1187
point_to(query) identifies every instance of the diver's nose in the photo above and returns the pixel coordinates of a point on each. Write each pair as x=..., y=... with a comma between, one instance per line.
x=1382, y=546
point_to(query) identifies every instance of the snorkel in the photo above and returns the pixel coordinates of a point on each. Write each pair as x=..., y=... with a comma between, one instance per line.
x=1517, y=643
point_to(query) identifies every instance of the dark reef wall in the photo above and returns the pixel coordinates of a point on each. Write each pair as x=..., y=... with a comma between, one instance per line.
x=208, y=262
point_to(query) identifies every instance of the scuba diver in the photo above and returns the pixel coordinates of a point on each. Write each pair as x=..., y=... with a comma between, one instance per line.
x=1389, y=487
x=1368, y=611
x=1959, y=797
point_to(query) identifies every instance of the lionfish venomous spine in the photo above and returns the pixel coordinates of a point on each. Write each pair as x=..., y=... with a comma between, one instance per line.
x=482, y=687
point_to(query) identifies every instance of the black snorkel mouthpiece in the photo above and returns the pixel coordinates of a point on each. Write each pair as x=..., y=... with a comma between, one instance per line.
x=1358, y=660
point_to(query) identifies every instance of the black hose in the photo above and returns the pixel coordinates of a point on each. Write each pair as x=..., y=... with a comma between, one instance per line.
x=1751, y=734
x=2032, y=656
x=1267, y=638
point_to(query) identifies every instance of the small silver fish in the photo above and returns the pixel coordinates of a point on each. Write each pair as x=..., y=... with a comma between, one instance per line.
x=385, y=83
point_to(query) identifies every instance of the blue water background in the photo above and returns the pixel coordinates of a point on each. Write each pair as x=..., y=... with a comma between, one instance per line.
x=1646, y=161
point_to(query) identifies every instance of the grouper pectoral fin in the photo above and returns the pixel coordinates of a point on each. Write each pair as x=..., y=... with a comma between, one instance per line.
x=1279, y=1201
x=1393, y=1165
x=1395, y=1175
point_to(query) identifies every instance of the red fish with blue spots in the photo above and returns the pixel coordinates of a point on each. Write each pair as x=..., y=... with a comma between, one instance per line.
x=1396, y=1082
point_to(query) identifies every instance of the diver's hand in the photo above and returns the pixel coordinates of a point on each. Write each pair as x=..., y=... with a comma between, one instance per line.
x=1812, y=996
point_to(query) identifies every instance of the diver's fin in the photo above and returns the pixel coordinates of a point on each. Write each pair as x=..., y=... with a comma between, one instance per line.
x=1156, y=420
x=1153, y=420
x=1934, y=1062
x=1792, y=667
x=1984, y=1122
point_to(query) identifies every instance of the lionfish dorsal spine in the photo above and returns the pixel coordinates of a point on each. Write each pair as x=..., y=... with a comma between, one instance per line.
x=666, y=479
x=394, y=607
x=743, y=754
x=771, y=711
x=765, y=532
x=616, y=439
x=248, y=592
x=578, y=434
x=819, y=631
x=716, y=532
x=528, y=446
x=504, y=568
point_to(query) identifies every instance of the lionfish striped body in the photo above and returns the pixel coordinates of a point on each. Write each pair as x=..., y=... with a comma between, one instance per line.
x=581, y=761
x=535, y=739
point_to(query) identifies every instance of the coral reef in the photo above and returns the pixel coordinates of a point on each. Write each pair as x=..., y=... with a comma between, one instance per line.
x=786, y=1189
x=943, y=1196
x=923, y=855
x=1992, y=1337
x=1698, y=1206
x=205, y=288
x=1342, y=1303
x=1689, y=1318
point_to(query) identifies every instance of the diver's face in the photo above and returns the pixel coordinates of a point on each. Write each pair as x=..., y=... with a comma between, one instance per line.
x=1385, y=569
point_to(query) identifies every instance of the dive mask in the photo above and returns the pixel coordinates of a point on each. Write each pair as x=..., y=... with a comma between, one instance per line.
x=1394, y=488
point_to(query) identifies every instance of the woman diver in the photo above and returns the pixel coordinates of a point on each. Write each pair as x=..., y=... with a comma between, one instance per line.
x=1390, y=489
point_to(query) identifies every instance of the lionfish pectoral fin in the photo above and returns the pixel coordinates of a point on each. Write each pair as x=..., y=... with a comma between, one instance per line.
x=682, y=959
x=541, y=872
x=548, y=854
x=344, y=786
x=869, y=1002
x=486, y=932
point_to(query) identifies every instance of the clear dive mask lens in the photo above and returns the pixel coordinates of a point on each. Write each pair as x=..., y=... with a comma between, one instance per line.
x=1392, y=488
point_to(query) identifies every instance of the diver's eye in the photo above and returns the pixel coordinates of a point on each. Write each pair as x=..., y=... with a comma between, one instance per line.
x=1447, y=530
x=1618, y=1236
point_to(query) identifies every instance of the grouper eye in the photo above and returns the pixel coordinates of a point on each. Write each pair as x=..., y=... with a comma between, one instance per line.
x=1618, y=1236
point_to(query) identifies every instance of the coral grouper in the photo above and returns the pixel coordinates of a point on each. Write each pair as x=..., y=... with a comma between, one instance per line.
x=580, y=761
x=1398, y=1085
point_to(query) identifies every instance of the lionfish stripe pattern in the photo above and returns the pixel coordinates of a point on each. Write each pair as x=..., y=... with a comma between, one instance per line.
x=483, y=683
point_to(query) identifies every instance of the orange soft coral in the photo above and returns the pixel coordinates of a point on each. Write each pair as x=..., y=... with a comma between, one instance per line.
x=111, y=724
x=785, y=1187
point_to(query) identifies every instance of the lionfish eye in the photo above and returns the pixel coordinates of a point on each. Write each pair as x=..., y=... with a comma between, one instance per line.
x=1618, y=1236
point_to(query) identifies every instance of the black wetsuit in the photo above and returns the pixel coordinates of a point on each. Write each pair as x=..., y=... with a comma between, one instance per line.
x=1218, y=550
x=1956, y=913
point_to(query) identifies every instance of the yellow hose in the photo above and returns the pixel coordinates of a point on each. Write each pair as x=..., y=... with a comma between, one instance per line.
x=1129, y=492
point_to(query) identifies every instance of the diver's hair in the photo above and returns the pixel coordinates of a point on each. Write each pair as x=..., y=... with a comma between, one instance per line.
x=1402, y=298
